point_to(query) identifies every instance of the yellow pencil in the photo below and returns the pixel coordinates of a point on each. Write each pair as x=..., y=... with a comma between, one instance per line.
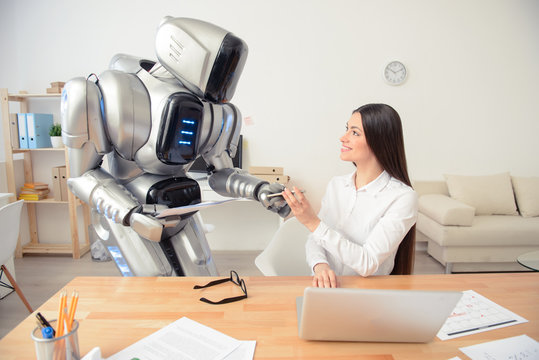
x=72, y=309
x=61, y=312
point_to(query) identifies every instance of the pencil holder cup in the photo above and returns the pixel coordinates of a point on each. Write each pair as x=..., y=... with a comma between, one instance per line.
x=64, y=347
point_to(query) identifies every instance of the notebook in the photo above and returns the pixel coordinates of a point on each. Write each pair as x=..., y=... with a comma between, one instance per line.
x=373, y=315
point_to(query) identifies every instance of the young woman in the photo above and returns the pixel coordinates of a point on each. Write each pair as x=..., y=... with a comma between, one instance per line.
x=366, y=224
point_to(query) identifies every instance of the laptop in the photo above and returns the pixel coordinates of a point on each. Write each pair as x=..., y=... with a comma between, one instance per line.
x=373, y=315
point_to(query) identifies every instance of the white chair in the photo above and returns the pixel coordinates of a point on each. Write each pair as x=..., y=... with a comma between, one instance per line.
x=10, y=218
x=285, y=254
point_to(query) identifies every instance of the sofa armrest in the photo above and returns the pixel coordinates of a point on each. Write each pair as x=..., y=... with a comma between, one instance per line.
x=445, y=210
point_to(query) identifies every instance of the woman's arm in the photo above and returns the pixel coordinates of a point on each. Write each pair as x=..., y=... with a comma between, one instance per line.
x=324, y=276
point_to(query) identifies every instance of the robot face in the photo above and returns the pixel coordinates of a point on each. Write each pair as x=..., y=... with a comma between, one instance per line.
x=207, y=59
x=226, y=70
x=179, y=132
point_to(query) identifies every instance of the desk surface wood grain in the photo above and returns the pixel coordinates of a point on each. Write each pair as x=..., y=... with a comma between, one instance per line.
x=115, y=312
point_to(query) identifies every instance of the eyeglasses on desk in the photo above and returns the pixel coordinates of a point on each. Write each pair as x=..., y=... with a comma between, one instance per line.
x=234, y=277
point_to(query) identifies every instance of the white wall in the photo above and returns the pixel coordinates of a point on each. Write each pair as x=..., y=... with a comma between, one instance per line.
x=468, y=106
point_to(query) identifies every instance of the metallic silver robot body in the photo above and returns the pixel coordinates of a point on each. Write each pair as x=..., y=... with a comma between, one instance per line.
x=131, y=115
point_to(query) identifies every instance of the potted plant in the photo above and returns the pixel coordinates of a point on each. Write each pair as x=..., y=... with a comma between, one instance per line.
x=55, y=133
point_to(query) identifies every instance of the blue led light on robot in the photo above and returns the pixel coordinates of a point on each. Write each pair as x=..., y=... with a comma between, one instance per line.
x=188, y=122
x=229, y=122
x=187, y=132
x=184, y=142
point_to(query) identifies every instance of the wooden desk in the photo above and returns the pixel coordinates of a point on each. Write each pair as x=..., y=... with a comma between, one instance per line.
x=115, y=312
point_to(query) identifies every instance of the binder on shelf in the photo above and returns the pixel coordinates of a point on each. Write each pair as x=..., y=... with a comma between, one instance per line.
x=63, y=182
x=56, y=187
x=23, y=134
x=14, y=131
x=38, y=126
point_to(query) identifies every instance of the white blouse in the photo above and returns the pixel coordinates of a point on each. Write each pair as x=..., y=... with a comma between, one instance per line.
x=360, y=230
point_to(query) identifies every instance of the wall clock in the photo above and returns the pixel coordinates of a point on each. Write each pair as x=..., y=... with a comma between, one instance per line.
x=395, y=73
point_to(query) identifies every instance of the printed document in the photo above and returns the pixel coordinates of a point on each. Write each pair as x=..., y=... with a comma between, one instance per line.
x=520, y=347
x=475, y=313
x=184, y=339
x=190, y=208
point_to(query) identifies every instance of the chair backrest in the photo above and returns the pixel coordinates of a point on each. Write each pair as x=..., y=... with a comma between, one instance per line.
x=10, y=218
x=285, y=254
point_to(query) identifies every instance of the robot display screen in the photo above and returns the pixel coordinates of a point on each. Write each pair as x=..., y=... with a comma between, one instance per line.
x=179, y=130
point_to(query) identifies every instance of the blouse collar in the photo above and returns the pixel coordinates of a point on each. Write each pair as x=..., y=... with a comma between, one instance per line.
x=374, y=186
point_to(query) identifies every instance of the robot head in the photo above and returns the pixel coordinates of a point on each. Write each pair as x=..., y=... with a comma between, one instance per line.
x=207, y=59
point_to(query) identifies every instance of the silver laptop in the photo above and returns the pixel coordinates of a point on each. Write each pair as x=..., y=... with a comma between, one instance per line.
x=373, y=315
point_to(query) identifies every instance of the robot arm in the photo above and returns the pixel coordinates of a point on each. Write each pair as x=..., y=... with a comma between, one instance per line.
x=82, y=125
x=84, y=134
x=239, y=183
x=218, y=147
x=100, y=190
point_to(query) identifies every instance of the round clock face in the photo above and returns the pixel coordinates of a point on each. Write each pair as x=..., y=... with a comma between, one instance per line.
x=395, y=73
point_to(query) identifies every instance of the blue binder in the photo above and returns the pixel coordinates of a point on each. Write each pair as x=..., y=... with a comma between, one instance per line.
x=38, y=126
x=23, y=134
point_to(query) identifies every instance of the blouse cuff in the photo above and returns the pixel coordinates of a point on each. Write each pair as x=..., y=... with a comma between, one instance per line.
x=319, y=232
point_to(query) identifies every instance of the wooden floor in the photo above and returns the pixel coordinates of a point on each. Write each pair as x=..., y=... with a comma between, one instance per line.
x=40, y=277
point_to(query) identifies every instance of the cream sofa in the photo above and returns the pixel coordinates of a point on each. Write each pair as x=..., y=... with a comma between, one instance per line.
x=479, y=223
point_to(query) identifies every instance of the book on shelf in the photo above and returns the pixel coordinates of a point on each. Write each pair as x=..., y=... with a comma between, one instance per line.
x=34, y=191
x=36, y=185
x=34, y=197
x=29, y=191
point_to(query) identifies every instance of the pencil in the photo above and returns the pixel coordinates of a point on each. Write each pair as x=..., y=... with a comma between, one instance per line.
x=61, y=312
x=72, y=308
x=281, y=194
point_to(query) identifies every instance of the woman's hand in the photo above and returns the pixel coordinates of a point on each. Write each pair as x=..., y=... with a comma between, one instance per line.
x=301, y=208
x=324, y=276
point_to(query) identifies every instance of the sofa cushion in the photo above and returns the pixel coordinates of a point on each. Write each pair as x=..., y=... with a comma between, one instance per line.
x=490, y=230
x=445, y=210
x=489, y=195
x=527, y=195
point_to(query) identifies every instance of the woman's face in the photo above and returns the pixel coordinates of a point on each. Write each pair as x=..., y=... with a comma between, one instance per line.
x=354, y=144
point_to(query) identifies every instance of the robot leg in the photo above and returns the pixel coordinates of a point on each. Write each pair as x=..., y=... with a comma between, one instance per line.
x=186, y=253
x=189, y=247
x=133, y=255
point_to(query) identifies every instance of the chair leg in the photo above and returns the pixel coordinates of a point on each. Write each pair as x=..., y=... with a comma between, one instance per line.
x=17, y=289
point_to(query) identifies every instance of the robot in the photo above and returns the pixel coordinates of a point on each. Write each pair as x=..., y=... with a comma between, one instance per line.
x=151, y=120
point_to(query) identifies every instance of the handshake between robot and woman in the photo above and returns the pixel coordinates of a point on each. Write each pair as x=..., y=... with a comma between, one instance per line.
x=153, y=119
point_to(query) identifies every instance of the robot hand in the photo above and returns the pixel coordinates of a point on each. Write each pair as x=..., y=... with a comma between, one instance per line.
x=275, y=203
x=144, y=224
x=143, y=220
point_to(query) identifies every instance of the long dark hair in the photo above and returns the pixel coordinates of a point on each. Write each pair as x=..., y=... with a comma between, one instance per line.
x=383, y=131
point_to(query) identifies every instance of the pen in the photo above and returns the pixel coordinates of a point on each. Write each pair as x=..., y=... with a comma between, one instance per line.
x=44, y=323
x=47, y=332
x=481, y=327
x=281, y=194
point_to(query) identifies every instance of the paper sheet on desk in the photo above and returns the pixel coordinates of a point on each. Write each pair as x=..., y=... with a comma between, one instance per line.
x=513, y=348
x=475, y=313
x=190, y=208
x=187, y=339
